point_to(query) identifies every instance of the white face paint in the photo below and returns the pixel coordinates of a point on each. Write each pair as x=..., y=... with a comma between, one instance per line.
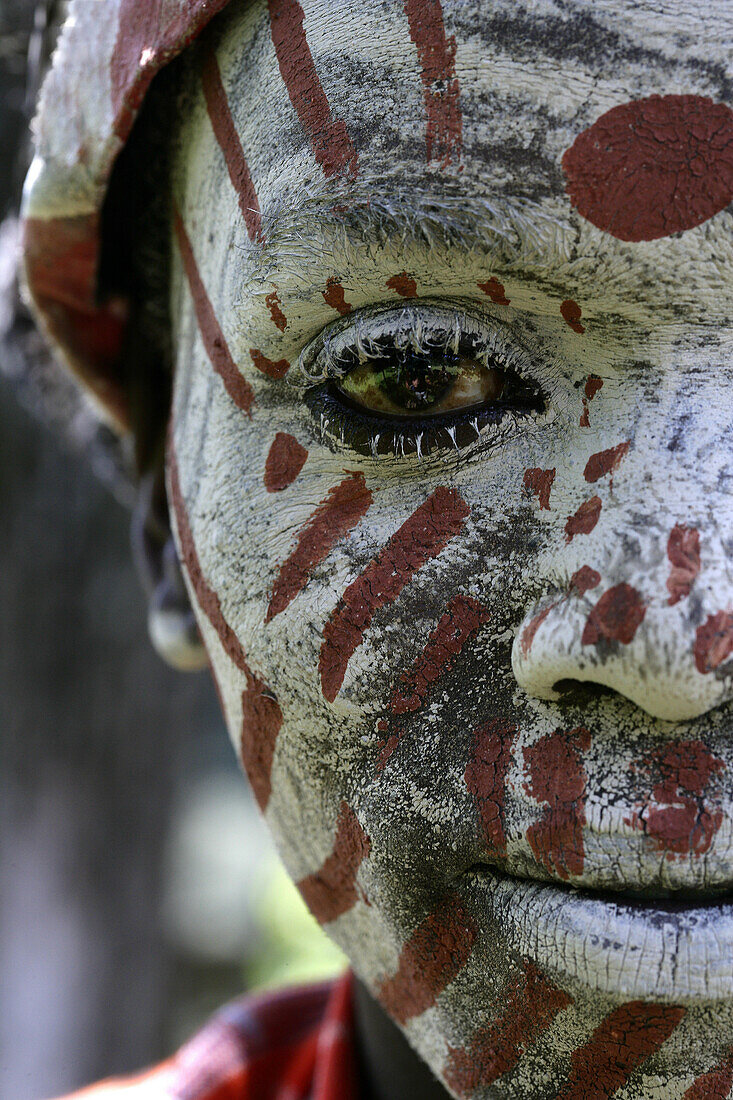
x=409, y=619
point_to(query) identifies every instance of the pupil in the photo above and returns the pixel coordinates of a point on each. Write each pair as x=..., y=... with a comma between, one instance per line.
x=415, y=381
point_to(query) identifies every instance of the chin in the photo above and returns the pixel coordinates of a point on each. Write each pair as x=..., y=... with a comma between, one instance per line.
x=569, y=932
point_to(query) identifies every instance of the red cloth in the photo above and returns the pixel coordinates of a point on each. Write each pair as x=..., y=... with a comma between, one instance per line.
x=295, y=1044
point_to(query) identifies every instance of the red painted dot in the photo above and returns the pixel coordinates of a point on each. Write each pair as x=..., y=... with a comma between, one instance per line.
x=273, y=303
x=532, y=627
x=653, y=167
x=403, y=284
x=714, y=642
x=538, y=483
x=616, y=617
x=584, y=520
x=605, y=462
x=683, y=551
x=285, y=459
x=592, y=385
x=584, y=579
x=273, y=368
x=495, y=290
x=571, y=313
x=334, y=296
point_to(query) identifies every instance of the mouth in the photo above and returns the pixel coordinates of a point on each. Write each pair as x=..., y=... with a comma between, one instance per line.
x=639, y=947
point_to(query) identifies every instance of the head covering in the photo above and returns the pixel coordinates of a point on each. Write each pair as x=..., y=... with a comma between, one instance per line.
x=107, y=56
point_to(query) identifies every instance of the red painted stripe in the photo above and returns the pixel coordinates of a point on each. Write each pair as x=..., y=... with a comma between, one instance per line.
x=528, y=634
x=261, y=722
x=150, y=33
x=441, y=93
x=331, y=891
x=458, y=623
x=226, y=134
x=618, y=1046
x=592, y=385
x=207, y=598
x=285, y=459
x=422, y=537
x=330, y=141
x=236, y=386
x=261, y=715
x=339, y=511
x=485, y=778
x=433, y=956
x=531, y=1004
x=716, y=1084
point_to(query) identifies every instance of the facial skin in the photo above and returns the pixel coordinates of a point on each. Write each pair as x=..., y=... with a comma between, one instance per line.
x=388, y=631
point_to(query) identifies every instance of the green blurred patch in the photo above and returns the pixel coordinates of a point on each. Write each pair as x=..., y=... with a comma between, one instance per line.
x=292, y=948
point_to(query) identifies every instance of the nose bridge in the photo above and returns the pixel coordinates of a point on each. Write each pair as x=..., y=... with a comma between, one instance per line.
x=642, y=602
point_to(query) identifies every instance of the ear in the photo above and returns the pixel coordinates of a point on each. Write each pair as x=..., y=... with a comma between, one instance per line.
x=171, y=622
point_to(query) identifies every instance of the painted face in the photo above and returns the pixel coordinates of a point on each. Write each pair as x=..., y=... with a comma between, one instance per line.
x=450, y=464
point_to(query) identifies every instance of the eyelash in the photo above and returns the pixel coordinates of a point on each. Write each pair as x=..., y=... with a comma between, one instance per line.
x=426, y=329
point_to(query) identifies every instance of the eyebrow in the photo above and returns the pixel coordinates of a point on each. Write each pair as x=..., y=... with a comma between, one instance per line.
x=541, y=242
x=512, y=231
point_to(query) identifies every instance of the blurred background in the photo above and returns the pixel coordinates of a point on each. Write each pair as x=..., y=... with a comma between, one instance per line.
x=138, y=888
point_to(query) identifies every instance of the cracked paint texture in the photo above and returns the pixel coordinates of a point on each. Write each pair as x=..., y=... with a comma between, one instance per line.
x=481, y=682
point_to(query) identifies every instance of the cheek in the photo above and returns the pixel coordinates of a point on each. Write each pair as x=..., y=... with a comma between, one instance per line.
x=306, y=576
x=419, y=540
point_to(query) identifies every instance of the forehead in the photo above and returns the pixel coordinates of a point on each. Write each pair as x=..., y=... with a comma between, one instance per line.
x=557, y=137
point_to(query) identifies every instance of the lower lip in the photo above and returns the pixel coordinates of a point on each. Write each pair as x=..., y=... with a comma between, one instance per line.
x=637, y=951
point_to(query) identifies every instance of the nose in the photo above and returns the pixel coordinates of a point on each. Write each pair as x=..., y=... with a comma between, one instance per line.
x=653, y=622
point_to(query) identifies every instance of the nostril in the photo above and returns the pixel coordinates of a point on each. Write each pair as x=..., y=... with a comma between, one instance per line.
x=639, y=649
x=580, y=692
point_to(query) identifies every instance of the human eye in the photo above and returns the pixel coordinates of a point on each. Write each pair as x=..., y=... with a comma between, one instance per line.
x=416, y=381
